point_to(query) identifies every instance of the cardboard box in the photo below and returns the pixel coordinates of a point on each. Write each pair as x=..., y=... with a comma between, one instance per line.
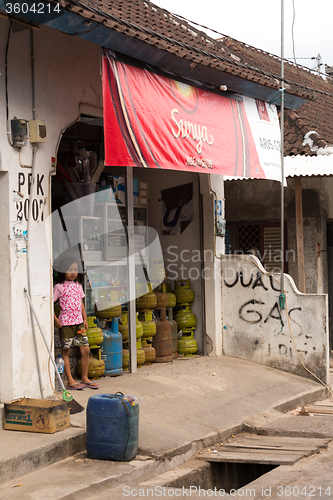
x=143, y=201
x=144, y=185
x=36, y=415
x=143, y=193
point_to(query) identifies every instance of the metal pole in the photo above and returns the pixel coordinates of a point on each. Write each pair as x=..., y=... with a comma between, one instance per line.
x=131, y=271
x=282, y=146
x=45, y=342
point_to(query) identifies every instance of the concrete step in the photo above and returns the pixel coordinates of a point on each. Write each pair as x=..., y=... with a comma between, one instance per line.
x=79, y=477
x=215, y=396
x=75, y=477
x=23, y=452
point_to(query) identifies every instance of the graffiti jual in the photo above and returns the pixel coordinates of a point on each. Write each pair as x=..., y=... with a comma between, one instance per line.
x=188, y=129
x=254, y=315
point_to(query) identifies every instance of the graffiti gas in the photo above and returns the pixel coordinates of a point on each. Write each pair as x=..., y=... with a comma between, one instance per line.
x=256, y=311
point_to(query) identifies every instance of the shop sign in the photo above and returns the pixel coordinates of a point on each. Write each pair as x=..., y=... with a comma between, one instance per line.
x=155, y=122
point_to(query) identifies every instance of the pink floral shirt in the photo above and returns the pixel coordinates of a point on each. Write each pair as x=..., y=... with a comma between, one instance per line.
x=70, y=295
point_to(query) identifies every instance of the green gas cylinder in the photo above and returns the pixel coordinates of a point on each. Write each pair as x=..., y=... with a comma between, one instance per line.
x=185, y=318
x=146, y=301
x=96, y=368
x=187, y=345
x=148, y=324
x=94, y=333
x=183, y=291
x=123, y=327
x=105, y=309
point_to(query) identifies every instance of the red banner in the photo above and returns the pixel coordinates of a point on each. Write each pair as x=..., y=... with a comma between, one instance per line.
x=156, y=122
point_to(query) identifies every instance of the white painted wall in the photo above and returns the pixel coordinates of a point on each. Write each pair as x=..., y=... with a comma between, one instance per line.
x=67, y=72
x=251, y=320
x=212, y=188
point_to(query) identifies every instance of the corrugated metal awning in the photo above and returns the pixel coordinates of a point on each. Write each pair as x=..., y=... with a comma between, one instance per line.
x=302, y=166
x=308, y=166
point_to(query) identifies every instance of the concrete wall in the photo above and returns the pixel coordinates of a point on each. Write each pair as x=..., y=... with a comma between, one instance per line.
x=252, y=320
x=259, y=200
x=212, y=188
x=67, y=72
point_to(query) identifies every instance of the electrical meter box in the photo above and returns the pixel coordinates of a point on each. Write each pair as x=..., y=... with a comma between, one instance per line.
x=19, y=130
x=37, y=131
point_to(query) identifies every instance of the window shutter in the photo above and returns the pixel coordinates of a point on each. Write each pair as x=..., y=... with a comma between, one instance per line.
x=272, y=249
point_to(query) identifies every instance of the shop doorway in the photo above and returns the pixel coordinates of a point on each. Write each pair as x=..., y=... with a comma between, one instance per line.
x=83, y=140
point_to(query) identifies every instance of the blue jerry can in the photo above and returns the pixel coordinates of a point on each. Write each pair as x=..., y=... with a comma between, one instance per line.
x=112, y=427
x=113, y=349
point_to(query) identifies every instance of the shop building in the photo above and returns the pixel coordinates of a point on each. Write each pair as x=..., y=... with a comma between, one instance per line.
x=52, y=78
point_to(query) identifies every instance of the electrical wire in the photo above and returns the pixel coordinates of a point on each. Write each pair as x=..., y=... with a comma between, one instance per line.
x=238, y=41
x=96, y=10
x=293, y=40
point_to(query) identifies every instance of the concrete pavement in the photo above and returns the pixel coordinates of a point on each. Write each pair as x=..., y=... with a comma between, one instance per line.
x=184, y=407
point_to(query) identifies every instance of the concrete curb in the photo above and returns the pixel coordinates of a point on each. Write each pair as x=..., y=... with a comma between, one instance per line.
x=61, y=448
x=160, y=465
x=41, y=457
x=303, y=399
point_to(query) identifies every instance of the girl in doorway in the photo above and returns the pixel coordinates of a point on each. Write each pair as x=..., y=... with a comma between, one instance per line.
x=72, y=322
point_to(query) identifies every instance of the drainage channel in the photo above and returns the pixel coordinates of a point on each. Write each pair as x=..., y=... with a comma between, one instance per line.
x=230, y=468
x=221, y=477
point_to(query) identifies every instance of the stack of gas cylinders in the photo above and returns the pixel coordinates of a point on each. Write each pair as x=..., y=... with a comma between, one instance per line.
x=160, y=334
x=186, y=320
x=96, y=367
x=124, y=330
x=105, y=348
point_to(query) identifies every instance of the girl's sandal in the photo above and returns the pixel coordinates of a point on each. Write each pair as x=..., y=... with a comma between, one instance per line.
x=75, y=387
x=91, y=385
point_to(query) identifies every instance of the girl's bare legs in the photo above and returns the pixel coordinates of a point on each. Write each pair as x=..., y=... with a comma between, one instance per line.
x=85, y=350
x=65, y=356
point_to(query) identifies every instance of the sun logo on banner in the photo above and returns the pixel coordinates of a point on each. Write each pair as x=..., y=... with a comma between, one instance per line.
x=185, y=95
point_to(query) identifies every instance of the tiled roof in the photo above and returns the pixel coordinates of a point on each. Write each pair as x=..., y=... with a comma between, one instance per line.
x=155, y=28
x=313, y=116
x=158, y=28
